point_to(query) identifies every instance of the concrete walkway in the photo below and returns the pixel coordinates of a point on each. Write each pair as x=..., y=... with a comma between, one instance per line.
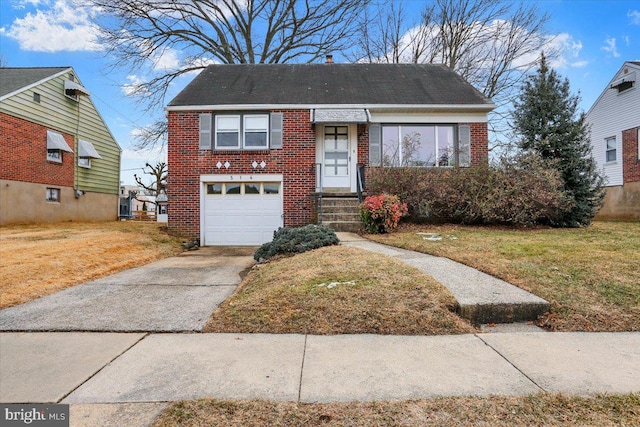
x=482, y=298
x=128, y=376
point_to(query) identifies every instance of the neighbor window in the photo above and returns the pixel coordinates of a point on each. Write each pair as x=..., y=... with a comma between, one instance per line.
x=422, y=146
x=54, y=155
x=611, y=149
x=53, y=195
x=84, y=162
x=234, y=132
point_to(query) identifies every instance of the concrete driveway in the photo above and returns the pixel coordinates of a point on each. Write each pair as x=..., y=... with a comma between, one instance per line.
x=176, y=294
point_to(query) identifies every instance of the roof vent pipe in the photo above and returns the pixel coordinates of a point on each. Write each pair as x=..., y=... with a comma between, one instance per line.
x=329, y=59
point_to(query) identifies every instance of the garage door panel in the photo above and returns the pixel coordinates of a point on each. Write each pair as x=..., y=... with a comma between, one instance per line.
x=244, y=219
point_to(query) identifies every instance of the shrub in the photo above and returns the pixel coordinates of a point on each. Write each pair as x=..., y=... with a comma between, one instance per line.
x=382, y=213
x=292, y=240
x=522, y=190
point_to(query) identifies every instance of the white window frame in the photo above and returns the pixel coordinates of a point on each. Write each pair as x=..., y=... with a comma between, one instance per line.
x=455, y=144
x=54, y=155
x=84, y=162
x=238, y=130
x=607, y=150
x=52, y=195
x=265, y=130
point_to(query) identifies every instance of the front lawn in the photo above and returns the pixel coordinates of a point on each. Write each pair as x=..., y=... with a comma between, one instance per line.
x=535, y=410
x=591, y=276
x=339, y=290
x=37, y=260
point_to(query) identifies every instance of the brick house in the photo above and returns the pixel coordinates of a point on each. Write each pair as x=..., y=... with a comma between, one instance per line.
x=60, y=162
x=615, y=122
x=255, y=147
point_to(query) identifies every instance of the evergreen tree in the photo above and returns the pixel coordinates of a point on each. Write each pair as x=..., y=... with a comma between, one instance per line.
x=547, y=121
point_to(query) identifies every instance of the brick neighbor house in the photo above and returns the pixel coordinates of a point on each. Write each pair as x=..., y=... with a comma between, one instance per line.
x=60, y=162
x=255, y=147
x=615, y=122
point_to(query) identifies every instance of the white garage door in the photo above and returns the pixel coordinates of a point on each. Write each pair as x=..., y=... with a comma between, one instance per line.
x=241, y=213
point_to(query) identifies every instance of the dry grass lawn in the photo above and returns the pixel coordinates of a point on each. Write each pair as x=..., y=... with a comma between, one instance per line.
x=591, y=276
x=537, y=410
x=37, y=260
x=374, y=294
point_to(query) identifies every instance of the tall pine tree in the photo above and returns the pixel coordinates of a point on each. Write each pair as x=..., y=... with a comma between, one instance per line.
x=545, y=117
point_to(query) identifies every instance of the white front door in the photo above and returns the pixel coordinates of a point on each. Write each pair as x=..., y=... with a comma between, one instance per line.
x=336, y=158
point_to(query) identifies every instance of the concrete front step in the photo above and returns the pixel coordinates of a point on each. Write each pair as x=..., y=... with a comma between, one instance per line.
x=343, y=226
x=340, y=203
x=340, y=216
x=481, y=298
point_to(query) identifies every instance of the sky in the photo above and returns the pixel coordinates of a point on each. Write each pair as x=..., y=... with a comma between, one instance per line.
x=596, y=38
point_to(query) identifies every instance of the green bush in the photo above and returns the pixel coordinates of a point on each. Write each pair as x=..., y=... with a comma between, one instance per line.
x=381, y=213
x=522, y=190
x=292, y=240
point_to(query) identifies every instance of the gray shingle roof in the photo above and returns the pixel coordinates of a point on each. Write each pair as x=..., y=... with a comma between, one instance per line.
x=328, y=84
x=12, y=79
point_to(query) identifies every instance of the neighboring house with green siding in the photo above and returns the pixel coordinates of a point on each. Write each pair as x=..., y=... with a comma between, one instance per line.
x=60, y=161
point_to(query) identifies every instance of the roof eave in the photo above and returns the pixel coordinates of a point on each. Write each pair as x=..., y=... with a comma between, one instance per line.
x=390, y=107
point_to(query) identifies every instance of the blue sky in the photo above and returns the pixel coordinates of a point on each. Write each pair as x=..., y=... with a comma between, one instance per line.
x=596, y=38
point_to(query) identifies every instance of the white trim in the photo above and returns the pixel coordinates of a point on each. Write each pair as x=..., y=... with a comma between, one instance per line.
x=22, y=89
x=426, y=107
x=418, y=118
x=258, y=177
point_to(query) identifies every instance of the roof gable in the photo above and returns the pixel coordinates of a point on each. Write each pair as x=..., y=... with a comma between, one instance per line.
x=632, y=65
x=17, y=79
x=329, y=84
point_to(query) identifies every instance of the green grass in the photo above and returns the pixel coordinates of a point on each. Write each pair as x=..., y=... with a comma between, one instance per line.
x=535, y=410
x=591, y=276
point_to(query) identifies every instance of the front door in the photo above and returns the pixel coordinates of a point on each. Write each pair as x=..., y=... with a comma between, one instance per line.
x=336, y=160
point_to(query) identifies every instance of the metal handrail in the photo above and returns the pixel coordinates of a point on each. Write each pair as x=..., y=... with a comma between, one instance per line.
x=319, y=190
x=360, y=181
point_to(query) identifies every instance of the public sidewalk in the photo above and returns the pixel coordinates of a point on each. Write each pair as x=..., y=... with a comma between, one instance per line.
x=98, y=368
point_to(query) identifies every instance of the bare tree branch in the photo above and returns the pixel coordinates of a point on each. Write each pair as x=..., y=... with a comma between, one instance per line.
x=139, y=35
x=493, y=44
x=159, y=173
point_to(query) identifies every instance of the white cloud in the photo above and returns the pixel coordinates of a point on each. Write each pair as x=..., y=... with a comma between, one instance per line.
x=64, y=26
x=133, y=87
x=167, y=59
x=611, y=47
x=634, y=15
x=579, y=64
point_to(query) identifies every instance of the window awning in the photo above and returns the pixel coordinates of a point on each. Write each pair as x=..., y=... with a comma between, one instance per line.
x=87, y=150
x=358, y=115
x=55, y=141
x=631, y=77
x=73, y=88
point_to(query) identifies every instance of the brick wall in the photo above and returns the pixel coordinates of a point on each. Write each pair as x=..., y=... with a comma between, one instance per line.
x=25, y=154
x=295, y=161
x=479, y=143
x=630, y=160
